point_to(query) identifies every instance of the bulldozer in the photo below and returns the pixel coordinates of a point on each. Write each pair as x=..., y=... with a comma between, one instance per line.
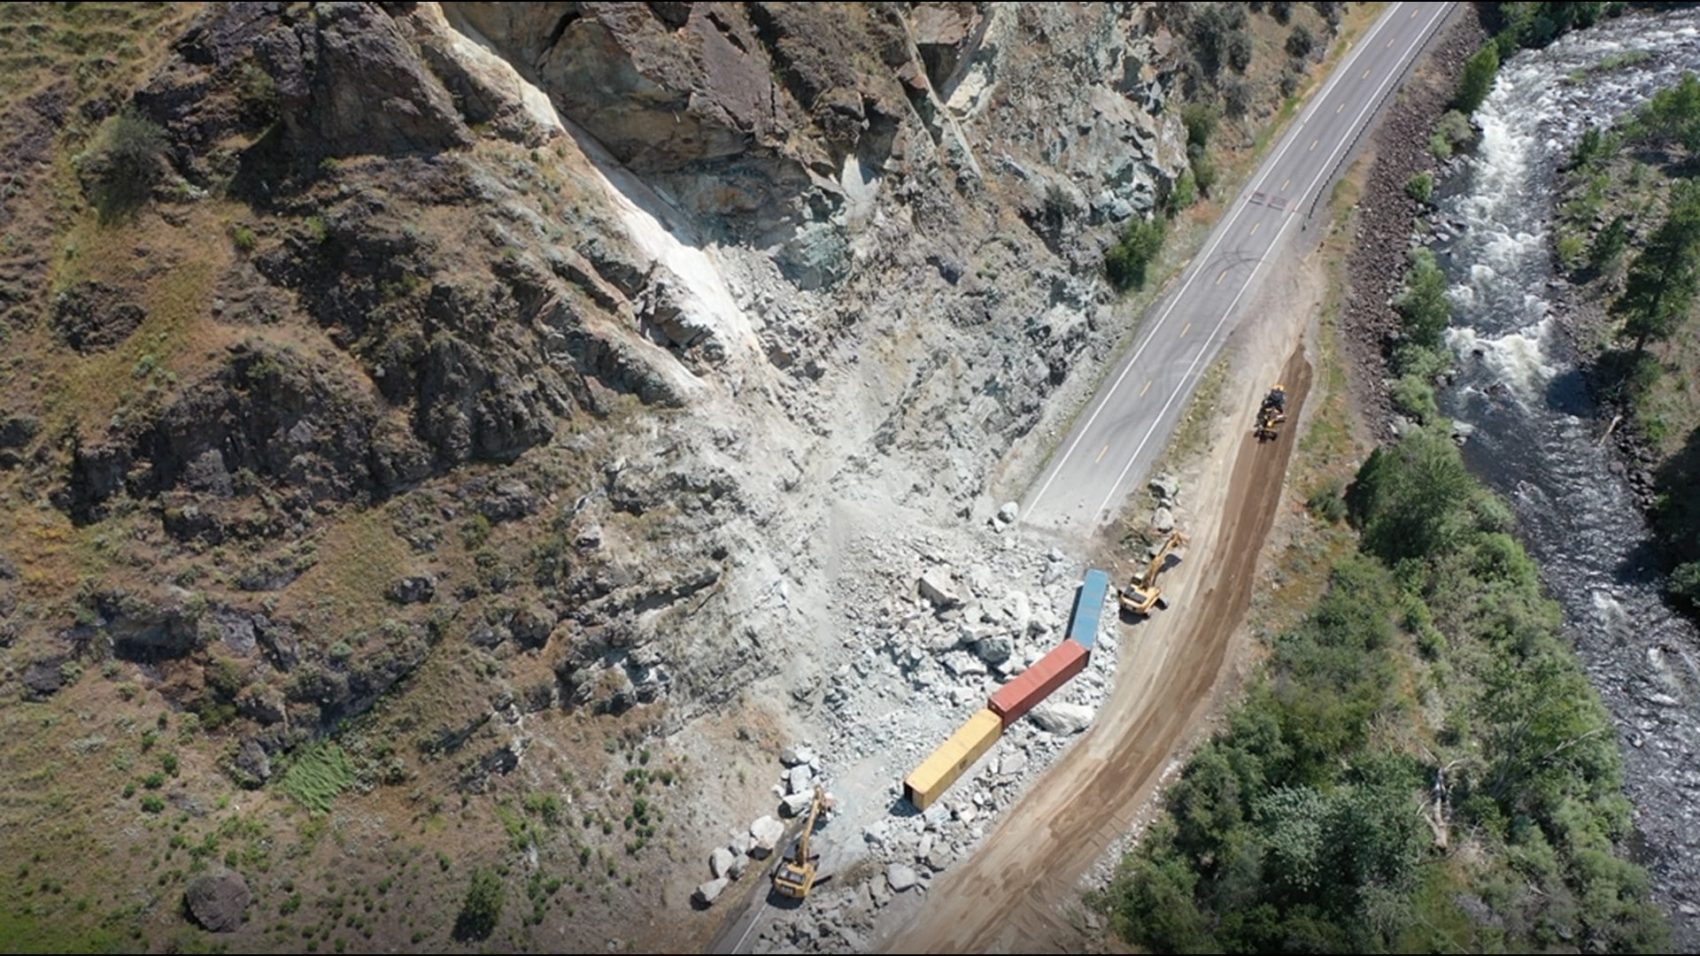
x=1142, y=593
x=796, y=874
x=1271, y=414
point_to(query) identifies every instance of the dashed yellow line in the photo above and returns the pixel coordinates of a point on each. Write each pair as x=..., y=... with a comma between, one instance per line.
x=1147, y=388
x=1254, y=228
x=1390, y=39
x=1341, y=107
x=1290, y=182
x=1413, y=15
x=1101, y=452
x=1186, y=330
x=1312, y=146
x=1366, y=74
x=1219, y=278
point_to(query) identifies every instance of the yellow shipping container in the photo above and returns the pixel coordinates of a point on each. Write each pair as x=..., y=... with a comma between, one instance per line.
x=935, y=774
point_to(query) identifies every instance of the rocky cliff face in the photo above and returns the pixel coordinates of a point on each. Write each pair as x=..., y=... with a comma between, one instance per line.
x=577, y=341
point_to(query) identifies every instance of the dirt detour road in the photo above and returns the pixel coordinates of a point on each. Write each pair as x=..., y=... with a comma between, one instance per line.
x=1012, y=895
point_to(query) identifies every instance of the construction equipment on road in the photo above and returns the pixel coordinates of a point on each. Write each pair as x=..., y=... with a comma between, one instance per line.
x=1142, y=593
x=796, y=873
x=1271, y=414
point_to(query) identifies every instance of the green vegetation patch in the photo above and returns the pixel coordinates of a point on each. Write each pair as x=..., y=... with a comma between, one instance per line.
x=1423, y=766
x=318, y=775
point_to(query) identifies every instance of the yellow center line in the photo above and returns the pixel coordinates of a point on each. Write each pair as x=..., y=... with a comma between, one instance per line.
x=1340, y=107
x=1186, y=330
x=1254, y=228
x=1390, y=42
x=1219, y=278
x=1366, y=74
x=1413, y=15
x=1101, y=454
x=1312, y=146
x=1147, y=388
x=1290, y=182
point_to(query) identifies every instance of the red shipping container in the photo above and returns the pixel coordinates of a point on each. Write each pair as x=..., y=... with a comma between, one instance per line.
x=1037, y=682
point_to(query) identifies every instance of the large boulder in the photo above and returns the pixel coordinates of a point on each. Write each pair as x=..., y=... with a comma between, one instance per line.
x=218, y=900
x=935, y=585
x=1060, y=718
x=766, y=834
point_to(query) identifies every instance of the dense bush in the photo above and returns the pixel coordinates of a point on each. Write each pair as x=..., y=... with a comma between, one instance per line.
x=1477, y=80
x=1420, y=186
x=1127, y=260
x=126, y=164
x=482, y=908
x=1300, y=43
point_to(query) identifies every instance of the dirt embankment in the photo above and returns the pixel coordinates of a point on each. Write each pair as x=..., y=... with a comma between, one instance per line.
x=1376, y=267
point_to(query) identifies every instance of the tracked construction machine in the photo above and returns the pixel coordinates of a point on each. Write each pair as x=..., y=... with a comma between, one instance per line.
x=1142, y=593
x=1271, y=414
x=796, y=873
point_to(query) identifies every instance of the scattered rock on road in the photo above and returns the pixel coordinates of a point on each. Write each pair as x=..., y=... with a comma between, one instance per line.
x=935, y=586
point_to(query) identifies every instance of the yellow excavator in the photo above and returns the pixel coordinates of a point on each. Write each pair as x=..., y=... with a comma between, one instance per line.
x=796, y=875
x=1271, y=414
x=1142, y=593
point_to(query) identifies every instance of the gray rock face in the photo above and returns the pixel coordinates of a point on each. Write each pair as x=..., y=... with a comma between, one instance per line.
x=43, y=679
x=532, y=624
x=412, y=590
x=217, y=901
x=792, y=756
x=795, y=804
x=1163, y=520
x=253, y=767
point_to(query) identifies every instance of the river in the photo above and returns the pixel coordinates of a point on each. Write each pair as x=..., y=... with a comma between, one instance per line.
x=1537, y=436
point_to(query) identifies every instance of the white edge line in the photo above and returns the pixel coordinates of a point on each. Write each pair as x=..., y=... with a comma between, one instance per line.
x=1250, y=280
x=1292, y=137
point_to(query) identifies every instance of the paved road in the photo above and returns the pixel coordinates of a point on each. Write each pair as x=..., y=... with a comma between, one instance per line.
x=1121, y=432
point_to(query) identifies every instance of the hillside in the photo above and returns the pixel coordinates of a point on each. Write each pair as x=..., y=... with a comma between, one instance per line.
x=437, y=473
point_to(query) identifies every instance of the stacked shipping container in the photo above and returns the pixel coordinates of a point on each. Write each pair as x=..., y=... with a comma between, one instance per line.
x=971, y=741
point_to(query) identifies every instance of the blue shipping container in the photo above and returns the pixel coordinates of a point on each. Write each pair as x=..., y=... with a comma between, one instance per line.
x=1088, y=607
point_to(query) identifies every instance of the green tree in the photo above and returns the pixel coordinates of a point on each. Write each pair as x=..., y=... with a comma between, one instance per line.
x=1672, y=115
x=1424, y=306
x=1608, y=246
x=1665, y=276
x=127, y=163
x=1127, y=260
x=1479, y=71
x=482, y=908
x=1412, y=498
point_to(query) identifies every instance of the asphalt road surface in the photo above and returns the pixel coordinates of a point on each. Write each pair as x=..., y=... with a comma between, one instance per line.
x=1120, y=433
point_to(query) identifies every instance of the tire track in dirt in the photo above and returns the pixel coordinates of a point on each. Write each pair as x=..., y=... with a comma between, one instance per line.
x=1011, y=895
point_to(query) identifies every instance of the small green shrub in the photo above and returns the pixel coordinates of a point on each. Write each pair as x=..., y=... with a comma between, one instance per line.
x=244, y=238
x=1421, y=187
x=153, y=804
